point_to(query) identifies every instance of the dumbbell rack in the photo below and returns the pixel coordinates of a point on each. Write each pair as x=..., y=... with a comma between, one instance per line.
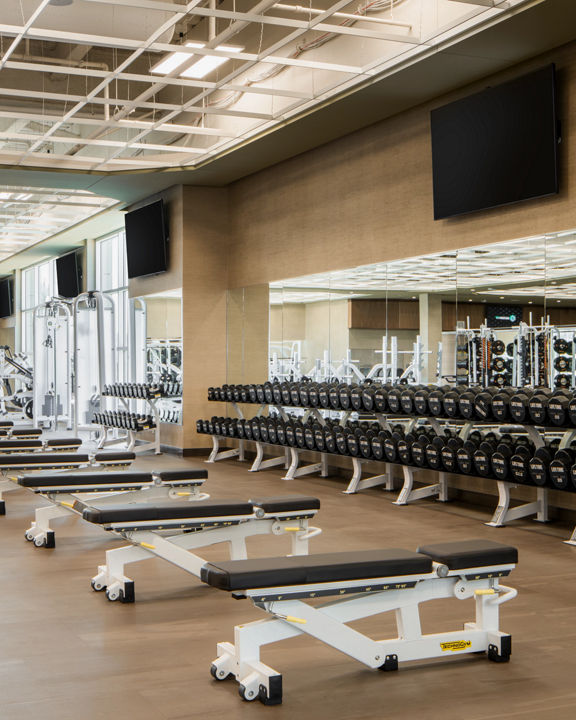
x=292, y=458
x=130, y=440
x=408, y=494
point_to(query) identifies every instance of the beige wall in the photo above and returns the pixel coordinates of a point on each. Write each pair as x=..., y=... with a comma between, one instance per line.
x=368, y=197
x=163, y=318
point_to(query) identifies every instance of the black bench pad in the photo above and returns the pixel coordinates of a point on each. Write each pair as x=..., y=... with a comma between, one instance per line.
x=104, y=457
x=471, y=553
x=169, y=476
x=26, y=431
x=64, y=442
x=290, y=503
x=88, y=478
x=44, y=460
x=20, y=445
x=165, y=510
x=304, y=570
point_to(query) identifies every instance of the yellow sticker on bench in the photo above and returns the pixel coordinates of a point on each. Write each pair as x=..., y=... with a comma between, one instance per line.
x=456, y=645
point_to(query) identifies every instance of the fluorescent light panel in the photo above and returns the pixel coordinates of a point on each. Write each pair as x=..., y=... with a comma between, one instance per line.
x=200, y=68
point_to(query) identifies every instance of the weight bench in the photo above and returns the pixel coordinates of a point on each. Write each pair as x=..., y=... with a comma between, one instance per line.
x=55, y=461
x=32, y=445
x=171, y=530
x=366, y=583
x=64, y=490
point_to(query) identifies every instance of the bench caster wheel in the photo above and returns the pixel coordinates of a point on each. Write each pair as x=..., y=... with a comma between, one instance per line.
x=217, y=674
x=97, y=586
x=2, y=507
x=29, y=536
x=247, y=695
x=113, y=595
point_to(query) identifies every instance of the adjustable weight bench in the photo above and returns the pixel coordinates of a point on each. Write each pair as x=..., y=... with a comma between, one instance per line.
x=32, y=445
x=171, y=530
x=55, y=461
x=366, y=583
x=64, y=490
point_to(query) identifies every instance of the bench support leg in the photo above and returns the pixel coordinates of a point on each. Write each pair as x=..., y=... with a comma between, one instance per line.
x=40, y=533
x=504, y=513
x=408, y=494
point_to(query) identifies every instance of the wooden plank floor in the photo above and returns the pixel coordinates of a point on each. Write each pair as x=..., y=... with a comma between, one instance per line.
x=68, y=654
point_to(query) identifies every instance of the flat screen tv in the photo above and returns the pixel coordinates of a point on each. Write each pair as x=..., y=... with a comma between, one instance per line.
x=69, y=274
x=496, y=147
x=146, y=240
x=502, y=316
x=6, y=297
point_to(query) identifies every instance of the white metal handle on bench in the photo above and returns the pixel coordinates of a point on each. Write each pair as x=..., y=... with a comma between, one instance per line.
x=311, y=532
x=508, y=594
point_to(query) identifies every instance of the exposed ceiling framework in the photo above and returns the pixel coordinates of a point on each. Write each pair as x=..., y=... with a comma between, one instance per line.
x=535, y=267
x=83, y=86
x=29, y=215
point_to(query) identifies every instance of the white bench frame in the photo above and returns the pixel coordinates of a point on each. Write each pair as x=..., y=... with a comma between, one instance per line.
x=174, y=542
x=291, y=617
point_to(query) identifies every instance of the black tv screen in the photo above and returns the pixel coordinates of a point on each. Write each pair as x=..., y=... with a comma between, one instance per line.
x=146, y=240
x=69, y=274
x=502, y=316
x=6, y=298
x=496, y=147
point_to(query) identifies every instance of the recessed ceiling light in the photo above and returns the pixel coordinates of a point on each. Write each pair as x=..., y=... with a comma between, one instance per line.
x=529, y=302
x=200, y=68
x=501, y=297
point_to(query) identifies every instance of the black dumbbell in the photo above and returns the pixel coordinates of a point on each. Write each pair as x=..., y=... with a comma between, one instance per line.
x=310, y=437
x=483, y=403
x=557, y=410
x=465, y=455
x=483, y=458
x=435, y=401
x=330, y=439
x=449, y=452
x=419, y=450
x=434, y=452
x=560, y=468
x=407, y=399
x=503, y=454
x=501, y=404
x=539, y=465
x=377, y=444
x=391, y=445
x=394, y=399
x=538, y=405
x=519, y=405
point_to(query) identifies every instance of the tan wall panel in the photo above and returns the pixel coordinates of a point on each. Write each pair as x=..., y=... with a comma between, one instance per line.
x=204, y=282
x=368, y=197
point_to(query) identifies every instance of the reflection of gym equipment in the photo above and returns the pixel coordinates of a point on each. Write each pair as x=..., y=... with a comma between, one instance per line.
x=16, y=380
x=52, y=344
x=164, y=368
x=94, y=353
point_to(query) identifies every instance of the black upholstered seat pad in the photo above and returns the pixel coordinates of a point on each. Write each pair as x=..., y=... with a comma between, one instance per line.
x=89, y=478
x=305, y=570
x=113, y=456
x=44, y=460
x=19, y=444
x=287, y=503
x=164, y=510
x=64, y=441
x=471, y=553
x=179, y=475
x=26, y=431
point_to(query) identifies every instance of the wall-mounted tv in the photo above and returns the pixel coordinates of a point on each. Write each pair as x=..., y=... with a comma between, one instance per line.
x=6, y=297
x=502, y=316
x=146, y=240
x=70, y=274
x=496, y=147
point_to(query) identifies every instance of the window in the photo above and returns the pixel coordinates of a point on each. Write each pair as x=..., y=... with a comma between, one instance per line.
x=38, y=285
x=112, y=279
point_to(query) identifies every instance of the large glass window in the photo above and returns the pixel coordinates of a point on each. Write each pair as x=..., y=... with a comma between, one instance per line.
x=38, y=285
x=112, y=278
